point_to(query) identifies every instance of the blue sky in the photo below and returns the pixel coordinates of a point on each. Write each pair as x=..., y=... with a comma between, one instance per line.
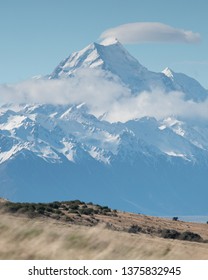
x=37, y=35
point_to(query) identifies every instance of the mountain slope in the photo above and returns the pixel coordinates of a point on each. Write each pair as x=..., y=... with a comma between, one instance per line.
x=192, y=88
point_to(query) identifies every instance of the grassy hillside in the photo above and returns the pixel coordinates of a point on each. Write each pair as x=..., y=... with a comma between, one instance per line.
x=76, y=230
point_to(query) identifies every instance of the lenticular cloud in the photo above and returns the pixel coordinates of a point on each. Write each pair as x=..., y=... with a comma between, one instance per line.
x=141, y=32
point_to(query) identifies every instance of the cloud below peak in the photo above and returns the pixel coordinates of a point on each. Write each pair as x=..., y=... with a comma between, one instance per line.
x=104, y=97
x=143, y=32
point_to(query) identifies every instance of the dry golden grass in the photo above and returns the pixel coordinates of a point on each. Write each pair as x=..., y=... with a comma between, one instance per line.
x=42, y=238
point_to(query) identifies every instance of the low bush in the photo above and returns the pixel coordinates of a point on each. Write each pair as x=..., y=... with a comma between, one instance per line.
x=134, y=229
x=187, y=235
x=190, y=236
x=86, y=211
x=170, y=233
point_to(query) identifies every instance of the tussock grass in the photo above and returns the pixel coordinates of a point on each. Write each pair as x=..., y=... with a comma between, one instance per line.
x=42, y=238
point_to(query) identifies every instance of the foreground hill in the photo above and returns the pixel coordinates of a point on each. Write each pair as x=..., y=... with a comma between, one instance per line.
x=76, y=230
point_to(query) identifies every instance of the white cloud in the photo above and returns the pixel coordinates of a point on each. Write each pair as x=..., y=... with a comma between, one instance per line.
x=89, y=85
x=141, y=32
x=103, y=96
x=157, y=104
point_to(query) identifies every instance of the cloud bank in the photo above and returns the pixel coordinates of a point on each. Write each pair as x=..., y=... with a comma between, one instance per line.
x=103, y=97
x=142, y=32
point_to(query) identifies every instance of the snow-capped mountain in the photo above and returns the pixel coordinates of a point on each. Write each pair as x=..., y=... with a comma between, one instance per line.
x=155, y=166
x=116, y=60
x=112, y=57
x=53, y=152
x=55, y=132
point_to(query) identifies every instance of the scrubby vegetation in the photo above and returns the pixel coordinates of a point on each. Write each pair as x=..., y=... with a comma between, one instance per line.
x=187, y=235
x=167, y=233
x=57, y=209
x=134, y=229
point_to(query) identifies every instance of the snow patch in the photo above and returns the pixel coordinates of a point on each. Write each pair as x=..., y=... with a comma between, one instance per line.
x=169, y=73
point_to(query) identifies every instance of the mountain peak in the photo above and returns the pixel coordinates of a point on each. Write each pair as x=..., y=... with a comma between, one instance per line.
x=109, y=56
x=110, y=41
x=168, y=72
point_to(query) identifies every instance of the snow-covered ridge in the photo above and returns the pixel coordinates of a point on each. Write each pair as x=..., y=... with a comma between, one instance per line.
x=56, y=132
x=70, y=131
x=168, y=72
x=50, y=131
x=111, y=56
x=192, y=88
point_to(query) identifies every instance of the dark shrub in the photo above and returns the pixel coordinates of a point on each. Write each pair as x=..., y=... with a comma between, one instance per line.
x=73, y=211
x=187, y=235
x=49, y=209
x=13, y=207
x=40, y=208
x=31, y=208
x=76, y=201
x=63, y=207
x=190, y=236
x=170, y=233
x=54, y=205
x=86, y=211
x=106, y=208
x=135, y=229
x=74, y=206
x=84, y=206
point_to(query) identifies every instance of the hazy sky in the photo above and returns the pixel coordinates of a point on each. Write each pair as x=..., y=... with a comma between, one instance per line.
x=36, y=35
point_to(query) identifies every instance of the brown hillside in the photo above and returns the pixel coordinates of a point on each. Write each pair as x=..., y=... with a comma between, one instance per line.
x=76, y=230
